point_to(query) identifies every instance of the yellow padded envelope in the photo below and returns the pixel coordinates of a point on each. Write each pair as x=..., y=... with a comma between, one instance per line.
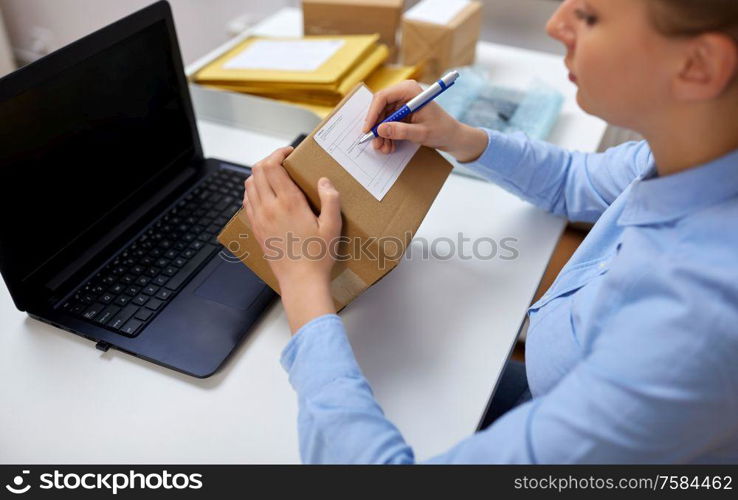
x=361, y=71
x=329, y=75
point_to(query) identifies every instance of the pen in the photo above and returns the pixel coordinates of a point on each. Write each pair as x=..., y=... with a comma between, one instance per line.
x=416, y=103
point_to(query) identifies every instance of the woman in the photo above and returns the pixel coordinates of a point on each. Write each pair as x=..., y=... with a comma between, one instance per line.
x=631, y=355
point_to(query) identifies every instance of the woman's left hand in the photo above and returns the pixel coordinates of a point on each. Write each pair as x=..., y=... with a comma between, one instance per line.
x=298, y=245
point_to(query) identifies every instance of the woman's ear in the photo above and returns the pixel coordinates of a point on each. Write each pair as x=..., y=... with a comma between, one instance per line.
x=710, y=65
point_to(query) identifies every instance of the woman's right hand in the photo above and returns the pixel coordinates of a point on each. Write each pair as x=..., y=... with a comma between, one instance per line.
x=431, y=126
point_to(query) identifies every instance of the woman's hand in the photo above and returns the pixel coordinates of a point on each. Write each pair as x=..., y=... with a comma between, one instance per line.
x=431, y=126
x=298, y=245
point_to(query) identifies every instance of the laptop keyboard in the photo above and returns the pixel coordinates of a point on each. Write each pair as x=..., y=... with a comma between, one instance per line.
x=136, y=285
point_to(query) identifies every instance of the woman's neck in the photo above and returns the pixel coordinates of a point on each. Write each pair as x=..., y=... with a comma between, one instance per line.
x=692, y=137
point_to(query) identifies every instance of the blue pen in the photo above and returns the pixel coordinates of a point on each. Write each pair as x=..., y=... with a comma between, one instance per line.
x=416, y=102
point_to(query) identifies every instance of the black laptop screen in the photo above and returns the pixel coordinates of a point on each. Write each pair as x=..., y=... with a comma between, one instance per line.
x=80, y=143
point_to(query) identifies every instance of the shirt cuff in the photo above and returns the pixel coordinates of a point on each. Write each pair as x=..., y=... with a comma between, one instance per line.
x=318, y=354
x=501, y=156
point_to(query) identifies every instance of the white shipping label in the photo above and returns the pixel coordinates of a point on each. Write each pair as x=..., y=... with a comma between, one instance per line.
x=285, y=55
x=340, y=136
x=436, y=11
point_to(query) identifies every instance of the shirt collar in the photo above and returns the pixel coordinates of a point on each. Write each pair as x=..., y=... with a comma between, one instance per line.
x=656, y=199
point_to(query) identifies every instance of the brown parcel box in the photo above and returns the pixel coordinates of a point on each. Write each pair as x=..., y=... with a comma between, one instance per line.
x=354, y=17
x=385, y=228
x=440, y=47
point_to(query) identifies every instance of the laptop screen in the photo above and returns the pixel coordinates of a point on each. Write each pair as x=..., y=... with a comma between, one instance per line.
x=83, y=141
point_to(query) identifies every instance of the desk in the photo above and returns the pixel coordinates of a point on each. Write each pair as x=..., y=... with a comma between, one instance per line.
x=431, y=337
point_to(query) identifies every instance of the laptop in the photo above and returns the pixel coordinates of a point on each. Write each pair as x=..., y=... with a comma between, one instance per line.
x=110, y=211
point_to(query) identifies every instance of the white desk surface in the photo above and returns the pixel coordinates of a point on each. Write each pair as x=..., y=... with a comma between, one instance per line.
x=431, y=337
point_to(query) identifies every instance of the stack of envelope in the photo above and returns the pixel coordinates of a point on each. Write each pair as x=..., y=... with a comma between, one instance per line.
x=315, y=72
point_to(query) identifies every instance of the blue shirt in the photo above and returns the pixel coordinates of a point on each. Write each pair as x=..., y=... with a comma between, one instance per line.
x=632, y=354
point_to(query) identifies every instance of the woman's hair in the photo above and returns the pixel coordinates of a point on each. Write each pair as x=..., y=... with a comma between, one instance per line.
x=694, y=17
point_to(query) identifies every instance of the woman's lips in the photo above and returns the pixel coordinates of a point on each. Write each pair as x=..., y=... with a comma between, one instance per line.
x=572, y=78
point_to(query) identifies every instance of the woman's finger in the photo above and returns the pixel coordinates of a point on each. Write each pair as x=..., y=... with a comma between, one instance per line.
x=280, y=181
x=251, y=194
x=387, y=146
x=379, y=103
x=249, y=209
x=389, y=100
x=261, y=183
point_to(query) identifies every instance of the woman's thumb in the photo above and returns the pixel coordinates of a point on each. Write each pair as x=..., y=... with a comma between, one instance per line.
x=401, y=131
x=330, y=206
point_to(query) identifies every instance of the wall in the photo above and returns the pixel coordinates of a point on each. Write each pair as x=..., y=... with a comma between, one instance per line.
x=6, y=60
x=521, y=23
x=37, y=26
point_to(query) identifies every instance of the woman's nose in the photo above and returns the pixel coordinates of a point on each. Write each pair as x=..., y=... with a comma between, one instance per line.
x=560, y=27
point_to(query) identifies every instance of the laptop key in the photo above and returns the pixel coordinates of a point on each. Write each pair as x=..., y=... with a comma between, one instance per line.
x=77, y=308
x=144, y=314
x=141, y=299
x=92, y=311
x=154, y=304
x=131, y=326
x=189, y=268
x=107, y=314
x=122, y=300
x=161, y=280
x=123, y=316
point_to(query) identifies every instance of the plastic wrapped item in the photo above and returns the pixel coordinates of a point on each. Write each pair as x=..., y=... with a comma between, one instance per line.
x=478, y=103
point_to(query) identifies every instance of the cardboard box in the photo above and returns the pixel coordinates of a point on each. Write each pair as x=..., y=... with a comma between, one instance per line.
x=375, y=233
x=354, y=17
x=441, y=47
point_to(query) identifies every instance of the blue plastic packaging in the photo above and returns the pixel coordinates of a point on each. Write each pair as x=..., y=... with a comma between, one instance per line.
x=478, y=103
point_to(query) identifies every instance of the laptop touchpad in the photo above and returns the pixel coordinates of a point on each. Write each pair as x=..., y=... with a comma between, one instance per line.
x=231, y=284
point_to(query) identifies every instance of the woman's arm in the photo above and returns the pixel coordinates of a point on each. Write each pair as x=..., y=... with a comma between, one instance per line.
x=575, y=185
x=652, y=386
x=578, y=186
x=654, y=389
